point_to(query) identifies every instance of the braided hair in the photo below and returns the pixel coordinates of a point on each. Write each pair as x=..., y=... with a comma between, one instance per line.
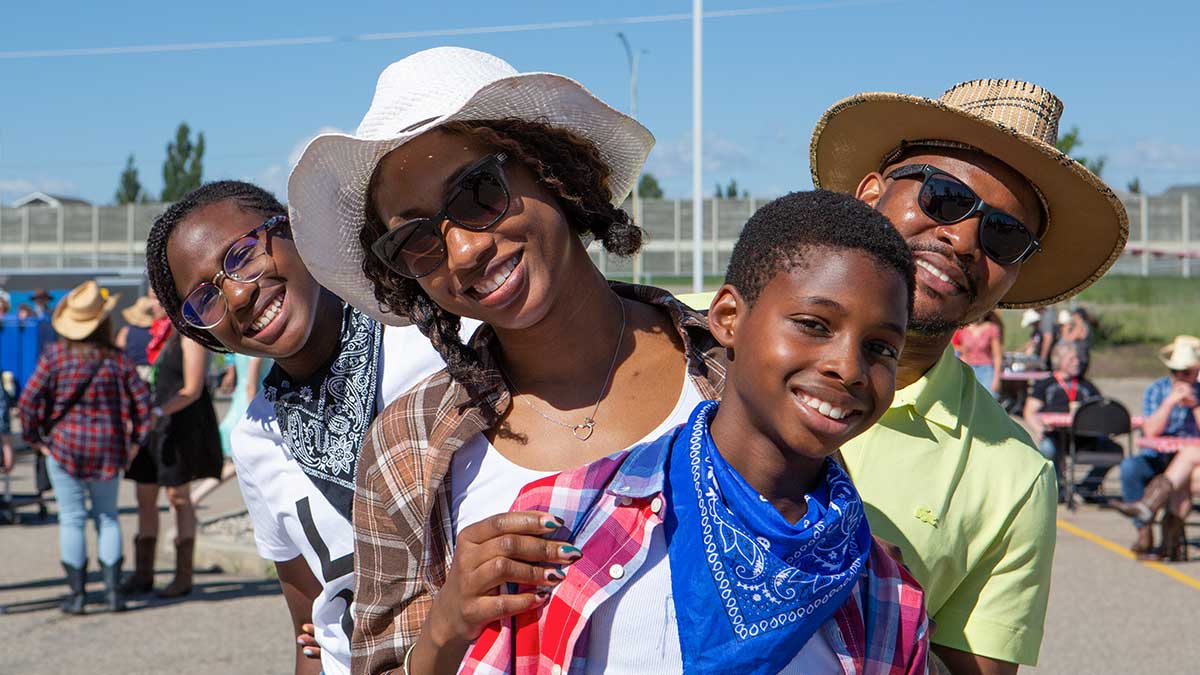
x=568, y=165
x=247, y=196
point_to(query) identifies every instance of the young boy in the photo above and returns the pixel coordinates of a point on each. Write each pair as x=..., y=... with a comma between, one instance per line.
x=737, y=543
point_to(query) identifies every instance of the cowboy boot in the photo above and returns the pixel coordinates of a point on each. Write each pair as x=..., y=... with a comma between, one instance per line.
x=113, y=596
x=1158, y=490
x=1144, y=545
x=182, y=583
x=142, y=579
x=76, y=595
x=1174, y=543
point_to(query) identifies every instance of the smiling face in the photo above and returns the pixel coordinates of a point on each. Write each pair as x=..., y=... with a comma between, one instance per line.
x=510, y=275
x=814, y=360
x=271, y=317
x=956, y=282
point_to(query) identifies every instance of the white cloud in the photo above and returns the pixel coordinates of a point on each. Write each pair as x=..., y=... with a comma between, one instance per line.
x=1157, y=155
x=673, y=159
x=19, y=187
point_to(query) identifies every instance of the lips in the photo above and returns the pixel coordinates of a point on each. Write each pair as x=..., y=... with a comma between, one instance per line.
x=496, y=279
x=951, y=278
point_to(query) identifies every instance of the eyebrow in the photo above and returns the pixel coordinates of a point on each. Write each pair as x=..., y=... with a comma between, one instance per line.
x=835, y=305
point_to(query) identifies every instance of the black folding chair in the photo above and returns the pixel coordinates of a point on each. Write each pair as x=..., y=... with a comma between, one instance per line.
x=1098, y=418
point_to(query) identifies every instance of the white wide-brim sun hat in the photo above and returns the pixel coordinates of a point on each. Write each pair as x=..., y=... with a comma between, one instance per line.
x=327, y=188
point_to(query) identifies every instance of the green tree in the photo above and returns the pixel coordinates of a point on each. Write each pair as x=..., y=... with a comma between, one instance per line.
x=648, y=187
x=183, y=168
x=129, y=188
x=1134, y=186
x=1069, y=141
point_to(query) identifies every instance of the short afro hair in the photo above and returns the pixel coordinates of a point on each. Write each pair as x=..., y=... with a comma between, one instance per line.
x=783, y=234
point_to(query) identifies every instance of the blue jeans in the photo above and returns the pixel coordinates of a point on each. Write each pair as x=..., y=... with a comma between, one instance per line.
x=985, y=374
x=69, y=493
x=1136, y=471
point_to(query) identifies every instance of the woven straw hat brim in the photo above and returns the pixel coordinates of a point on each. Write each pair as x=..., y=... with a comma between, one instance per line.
x=75, y=329
x=1088, y=224
x=327, y=187
x=137, y=315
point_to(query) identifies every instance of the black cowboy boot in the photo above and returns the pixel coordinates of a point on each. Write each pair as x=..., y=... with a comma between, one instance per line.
x=113, y=597
x=76, y=596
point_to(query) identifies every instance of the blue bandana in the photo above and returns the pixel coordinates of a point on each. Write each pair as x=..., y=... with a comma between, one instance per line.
x=749, y=587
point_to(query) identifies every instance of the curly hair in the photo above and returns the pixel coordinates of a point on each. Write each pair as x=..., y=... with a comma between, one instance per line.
x=569, y=166
x=249, y=197
x=782, y=234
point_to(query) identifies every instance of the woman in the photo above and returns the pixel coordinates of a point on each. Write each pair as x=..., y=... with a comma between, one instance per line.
x=981, y=348
x=487, y=219
x=185, y=447
x=87, y=410
x=134, y=337
x=296, y=447
x=246, y=373
x=1078, y=329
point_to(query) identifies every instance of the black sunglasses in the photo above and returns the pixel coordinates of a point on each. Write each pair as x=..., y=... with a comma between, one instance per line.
x=948, y=200
x=477, y=201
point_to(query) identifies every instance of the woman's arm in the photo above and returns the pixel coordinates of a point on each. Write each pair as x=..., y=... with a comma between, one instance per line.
x=253, y=377
x=997, y=360
x=195, y=365
x=33, y=408
x=300, y=589
x=122, y=338
x=1033, y=406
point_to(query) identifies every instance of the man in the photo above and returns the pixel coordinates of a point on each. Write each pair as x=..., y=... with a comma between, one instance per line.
x=1063, y=391
x=995, y=215
x=1171, y=407
x=41, y=303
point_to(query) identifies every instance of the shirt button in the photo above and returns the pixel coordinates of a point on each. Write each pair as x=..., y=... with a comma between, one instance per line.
x=616, y=571
x=656, y=504
x=556, y=670
x=624, y=501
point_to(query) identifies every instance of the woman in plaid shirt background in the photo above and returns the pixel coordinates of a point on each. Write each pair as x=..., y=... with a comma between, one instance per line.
x=87, y=410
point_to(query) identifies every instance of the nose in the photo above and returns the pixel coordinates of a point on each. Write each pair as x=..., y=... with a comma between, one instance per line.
x=466, y=250
x=962, y=236
x=239, y=294
x=842, y=360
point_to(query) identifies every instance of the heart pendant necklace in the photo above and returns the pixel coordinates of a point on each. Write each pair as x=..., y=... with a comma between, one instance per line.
x=584, y=430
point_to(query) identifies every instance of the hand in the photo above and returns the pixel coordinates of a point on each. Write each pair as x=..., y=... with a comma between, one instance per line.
x=6, y=457
x=44, y=449
x=1179, y=392
x=308, y=641
x=132, y=456
x=228, y=381
x=506, y=548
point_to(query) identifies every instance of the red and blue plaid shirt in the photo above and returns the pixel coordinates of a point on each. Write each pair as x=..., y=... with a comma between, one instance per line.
x=613, y=505
x=93, y=440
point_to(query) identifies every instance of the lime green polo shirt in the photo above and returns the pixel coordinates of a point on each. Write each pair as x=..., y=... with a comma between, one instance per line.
x=952, y=480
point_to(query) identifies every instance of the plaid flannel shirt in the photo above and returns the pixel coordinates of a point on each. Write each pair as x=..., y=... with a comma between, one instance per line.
x=611, y=507
x=402, y=521
x=1182, y=420
x=93, y=440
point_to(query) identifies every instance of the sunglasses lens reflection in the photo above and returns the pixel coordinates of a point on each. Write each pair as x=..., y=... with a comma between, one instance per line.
x=946, y=200
x=483, y=199
x=1004, y=239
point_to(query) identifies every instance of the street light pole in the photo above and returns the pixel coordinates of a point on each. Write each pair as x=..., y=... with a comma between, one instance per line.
x=697, y=150
x=634, y=57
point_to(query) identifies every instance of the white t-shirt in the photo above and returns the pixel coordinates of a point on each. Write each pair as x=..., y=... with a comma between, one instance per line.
x=483, y=482
x=292, y=518
x=642, y=614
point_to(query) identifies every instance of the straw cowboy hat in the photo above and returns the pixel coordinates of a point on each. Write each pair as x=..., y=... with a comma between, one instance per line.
x=140, y=313
x=1182, y=354
x=327, y=188
x=82, y=310
x=1016, y=122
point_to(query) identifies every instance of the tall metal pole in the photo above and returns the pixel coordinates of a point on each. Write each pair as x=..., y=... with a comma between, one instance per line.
x=634, y=56
x=697, y=150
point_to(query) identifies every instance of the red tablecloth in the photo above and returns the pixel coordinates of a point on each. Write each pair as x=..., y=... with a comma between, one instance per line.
x=1024, y=375
x=1167, y=443
x=1062, y=420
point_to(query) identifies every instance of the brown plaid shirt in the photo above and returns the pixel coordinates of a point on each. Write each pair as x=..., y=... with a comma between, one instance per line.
x=402, y=525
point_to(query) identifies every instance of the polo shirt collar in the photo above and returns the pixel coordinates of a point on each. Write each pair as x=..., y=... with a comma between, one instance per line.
x=937, y=396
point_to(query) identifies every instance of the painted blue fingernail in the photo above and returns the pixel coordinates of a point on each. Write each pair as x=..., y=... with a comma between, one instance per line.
x=552, y=524
x=571, y=552
x=308, y=652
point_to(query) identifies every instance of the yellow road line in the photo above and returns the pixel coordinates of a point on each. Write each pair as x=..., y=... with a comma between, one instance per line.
x=1125, y=552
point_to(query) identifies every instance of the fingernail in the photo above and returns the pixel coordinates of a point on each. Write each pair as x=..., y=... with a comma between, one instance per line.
x=571, y=552
x=308, y=652
x=299, y=641
x=541, y=594
x=556, y=575
x=552, y=524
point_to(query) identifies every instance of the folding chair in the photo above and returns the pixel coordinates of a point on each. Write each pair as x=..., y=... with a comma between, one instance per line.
x=1098, y=418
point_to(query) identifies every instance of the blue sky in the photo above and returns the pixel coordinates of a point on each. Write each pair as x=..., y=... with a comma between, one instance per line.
x=1126, y=71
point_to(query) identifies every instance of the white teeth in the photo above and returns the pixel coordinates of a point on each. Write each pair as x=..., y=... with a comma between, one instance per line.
x=825, y=408
x=267, y=315
x=497, y=280
x=933, y=270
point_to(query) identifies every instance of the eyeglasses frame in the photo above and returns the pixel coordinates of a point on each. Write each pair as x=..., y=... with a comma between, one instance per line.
x=219, y=278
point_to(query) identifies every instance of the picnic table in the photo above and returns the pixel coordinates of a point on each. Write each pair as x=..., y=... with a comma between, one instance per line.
x=1024, y=375
x=1062, y=420
x=1167, y=443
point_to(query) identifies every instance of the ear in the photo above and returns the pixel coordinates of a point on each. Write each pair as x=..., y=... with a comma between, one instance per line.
x=870, y=189
x=723, y=314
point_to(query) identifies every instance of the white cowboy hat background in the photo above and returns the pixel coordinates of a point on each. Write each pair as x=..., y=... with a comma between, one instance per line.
x=327, y=187
x=1182, y=354
x=80, y=313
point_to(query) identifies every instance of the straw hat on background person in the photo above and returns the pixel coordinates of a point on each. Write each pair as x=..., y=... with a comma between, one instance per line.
x=81, y=312
x=1182, y=354
x=421, y=92
x=141, y=313
x=1016, y=122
